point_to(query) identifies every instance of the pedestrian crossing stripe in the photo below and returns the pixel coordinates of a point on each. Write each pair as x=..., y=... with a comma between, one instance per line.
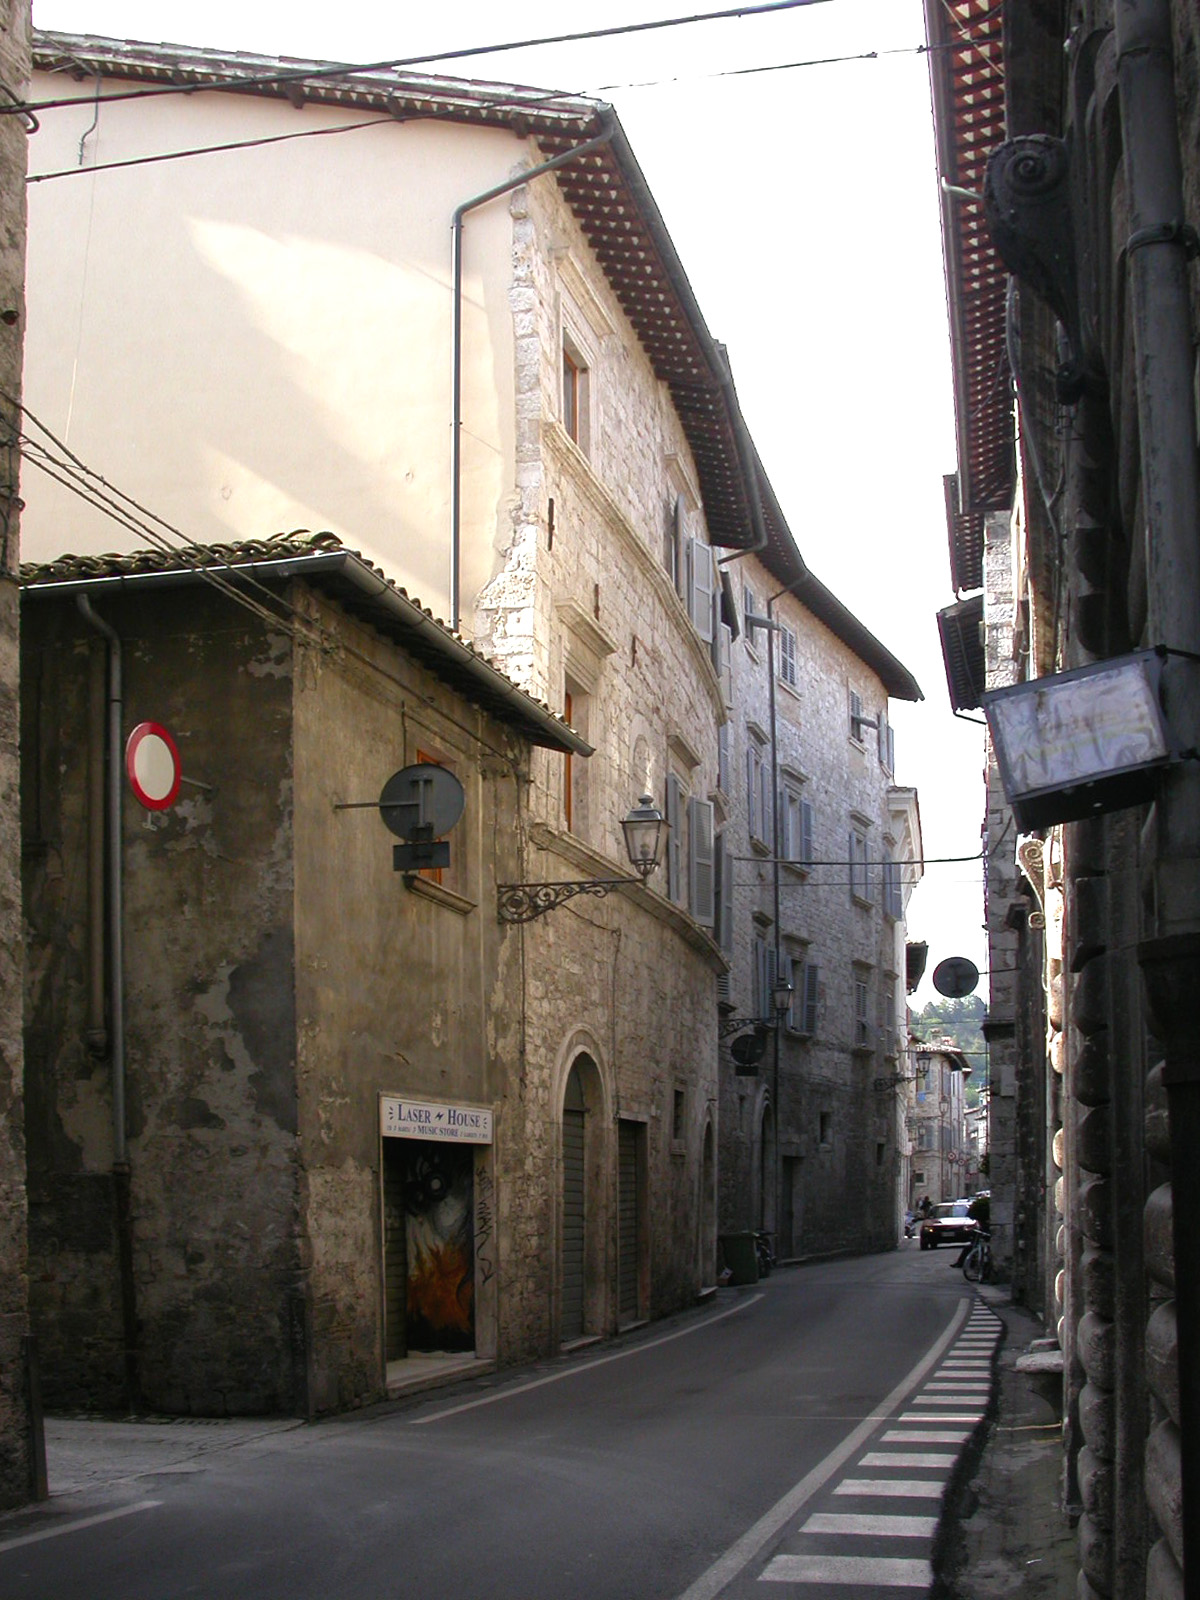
x=927, y=1436
x=892, y=1488
x=881, y=1572
x=867, y=1526
x=922, y=1459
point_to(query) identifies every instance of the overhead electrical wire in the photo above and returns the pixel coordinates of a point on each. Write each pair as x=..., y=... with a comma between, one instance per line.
x=73, y=474
x=526, y=100
x=349, y=69
x=209, y=149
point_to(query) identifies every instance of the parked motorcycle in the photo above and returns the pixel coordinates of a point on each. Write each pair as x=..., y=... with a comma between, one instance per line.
x=764, y=1252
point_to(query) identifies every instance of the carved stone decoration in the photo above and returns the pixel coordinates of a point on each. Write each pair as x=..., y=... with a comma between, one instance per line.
x=1031, y=860
x=1027, y=199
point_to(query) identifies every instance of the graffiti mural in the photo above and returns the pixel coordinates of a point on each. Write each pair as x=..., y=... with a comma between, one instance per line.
x=439, y=1225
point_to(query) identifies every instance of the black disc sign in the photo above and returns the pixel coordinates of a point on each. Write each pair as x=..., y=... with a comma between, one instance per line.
x=748, y=1049
x=955, y=977
x=424, y=801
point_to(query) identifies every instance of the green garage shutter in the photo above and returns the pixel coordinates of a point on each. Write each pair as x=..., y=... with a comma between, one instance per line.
x=573, y=1225
x=627, y=1234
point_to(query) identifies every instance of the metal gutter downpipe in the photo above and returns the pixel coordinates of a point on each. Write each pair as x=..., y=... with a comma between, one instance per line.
x=1156, y=262
x=456, y=249
x=116, y=945
x=116, y=968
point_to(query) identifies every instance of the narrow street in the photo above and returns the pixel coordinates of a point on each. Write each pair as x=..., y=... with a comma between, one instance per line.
x=785, y=1432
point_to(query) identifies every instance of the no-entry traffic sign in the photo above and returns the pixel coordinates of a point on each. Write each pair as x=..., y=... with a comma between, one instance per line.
x=152, y=764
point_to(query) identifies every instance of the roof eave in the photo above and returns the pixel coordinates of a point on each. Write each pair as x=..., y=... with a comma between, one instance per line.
x=382, y=600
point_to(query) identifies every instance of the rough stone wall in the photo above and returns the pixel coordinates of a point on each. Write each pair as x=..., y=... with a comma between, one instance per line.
x=211, y=1112
x=16, y=1442
x=841, y=1195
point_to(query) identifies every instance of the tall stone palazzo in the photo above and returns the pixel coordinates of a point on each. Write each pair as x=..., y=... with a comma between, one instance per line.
x=1087, y=147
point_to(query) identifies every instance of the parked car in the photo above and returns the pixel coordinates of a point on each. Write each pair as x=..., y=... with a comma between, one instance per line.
x=949, y=1223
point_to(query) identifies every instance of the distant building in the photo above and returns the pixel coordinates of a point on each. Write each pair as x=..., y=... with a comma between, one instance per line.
x=819, y=851
x=1072, y=521
x=941, y=1158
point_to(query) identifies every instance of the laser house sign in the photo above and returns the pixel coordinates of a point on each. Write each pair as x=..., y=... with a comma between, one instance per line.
x=152, y=766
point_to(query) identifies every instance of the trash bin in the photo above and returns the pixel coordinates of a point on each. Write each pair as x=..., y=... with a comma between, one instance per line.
x=740, y=1255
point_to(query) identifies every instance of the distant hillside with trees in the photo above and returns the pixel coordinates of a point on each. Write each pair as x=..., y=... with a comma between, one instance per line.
x=962, y=1022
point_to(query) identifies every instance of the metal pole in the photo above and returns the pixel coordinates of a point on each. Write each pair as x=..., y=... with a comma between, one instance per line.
x=116, y=942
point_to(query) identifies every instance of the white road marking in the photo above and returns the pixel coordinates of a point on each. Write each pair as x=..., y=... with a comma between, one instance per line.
x=893, y=1488
x=927, y=1436
x=921, y=1459
x=940, y=1416
x=855, y=1522
x=878, y=1572
x=575, y=1370
x=744, y=1550
x=80, y=1522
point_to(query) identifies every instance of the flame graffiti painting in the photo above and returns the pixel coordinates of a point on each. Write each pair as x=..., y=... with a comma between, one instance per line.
x=439, y=1229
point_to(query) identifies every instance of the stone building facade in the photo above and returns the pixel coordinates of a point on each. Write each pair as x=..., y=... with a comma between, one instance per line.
x=280, y=1212
x=1082, y=543
x=18, y=1447
x=572, y=536
x=819, y=851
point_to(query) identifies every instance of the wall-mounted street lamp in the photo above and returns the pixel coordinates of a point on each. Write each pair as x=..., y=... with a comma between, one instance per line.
x=645, y=834
x=1075, y=744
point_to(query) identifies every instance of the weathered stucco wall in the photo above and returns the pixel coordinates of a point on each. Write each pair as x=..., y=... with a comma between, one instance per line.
x=212, y=1251
x=16, y=1448
x=400, y=991
x=311, y=371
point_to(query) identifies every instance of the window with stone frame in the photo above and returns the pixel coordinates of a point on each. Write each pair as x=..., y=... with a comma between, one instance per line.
x=787, y=669
x=576, y=394
x=860, y=881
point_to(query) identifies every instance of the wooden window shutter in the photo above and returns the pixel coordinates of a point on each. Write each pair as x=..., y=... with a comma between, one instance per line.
x=701, y=607
x=701, y=860
x=674, y=838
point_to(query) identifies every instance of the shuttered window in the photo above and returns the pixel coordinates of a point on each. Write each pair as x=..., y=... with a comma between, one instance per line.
x=787, y=657
x=701, y=861
x=674, y=838
x=700, y=568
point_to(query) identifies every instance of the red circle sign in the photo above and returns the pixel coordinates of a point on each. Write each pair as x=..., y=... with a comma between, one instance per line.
x=152, y=764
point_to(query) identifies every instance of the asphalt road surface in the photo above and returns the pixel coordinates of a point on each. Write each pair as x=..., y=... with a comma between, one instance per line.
x=705, y=1456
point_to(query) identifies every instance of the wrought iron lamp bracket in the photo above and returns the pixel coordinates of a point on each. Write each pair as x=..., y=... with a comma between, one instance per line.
x=730, y=1025
x=523, y=902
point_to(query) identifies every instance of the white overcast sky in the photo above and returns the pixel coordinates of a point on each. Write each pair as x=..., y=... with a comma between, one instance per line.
x=803, y=204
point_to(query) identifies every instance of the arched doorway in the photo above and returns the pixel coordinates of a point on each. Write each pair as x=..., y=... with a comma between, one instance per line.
x=707, y=1240
x=766, y=1171
x=586, y=1203
x=574, y=1206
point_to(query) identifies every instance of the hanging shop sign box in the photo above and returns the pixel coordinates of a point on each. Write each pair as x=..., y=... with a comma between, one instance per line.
x=400, y=1118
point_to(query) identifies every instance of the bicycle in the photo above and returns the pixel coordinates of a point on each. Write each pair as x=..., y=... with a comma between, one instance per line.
x=977, y=1264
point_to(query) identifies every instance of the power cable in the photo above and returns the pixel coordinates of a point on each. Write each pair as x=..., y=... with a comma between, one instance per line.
x=81, y=480
x=208, y=150
x=349, y=69
x=526, y=101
